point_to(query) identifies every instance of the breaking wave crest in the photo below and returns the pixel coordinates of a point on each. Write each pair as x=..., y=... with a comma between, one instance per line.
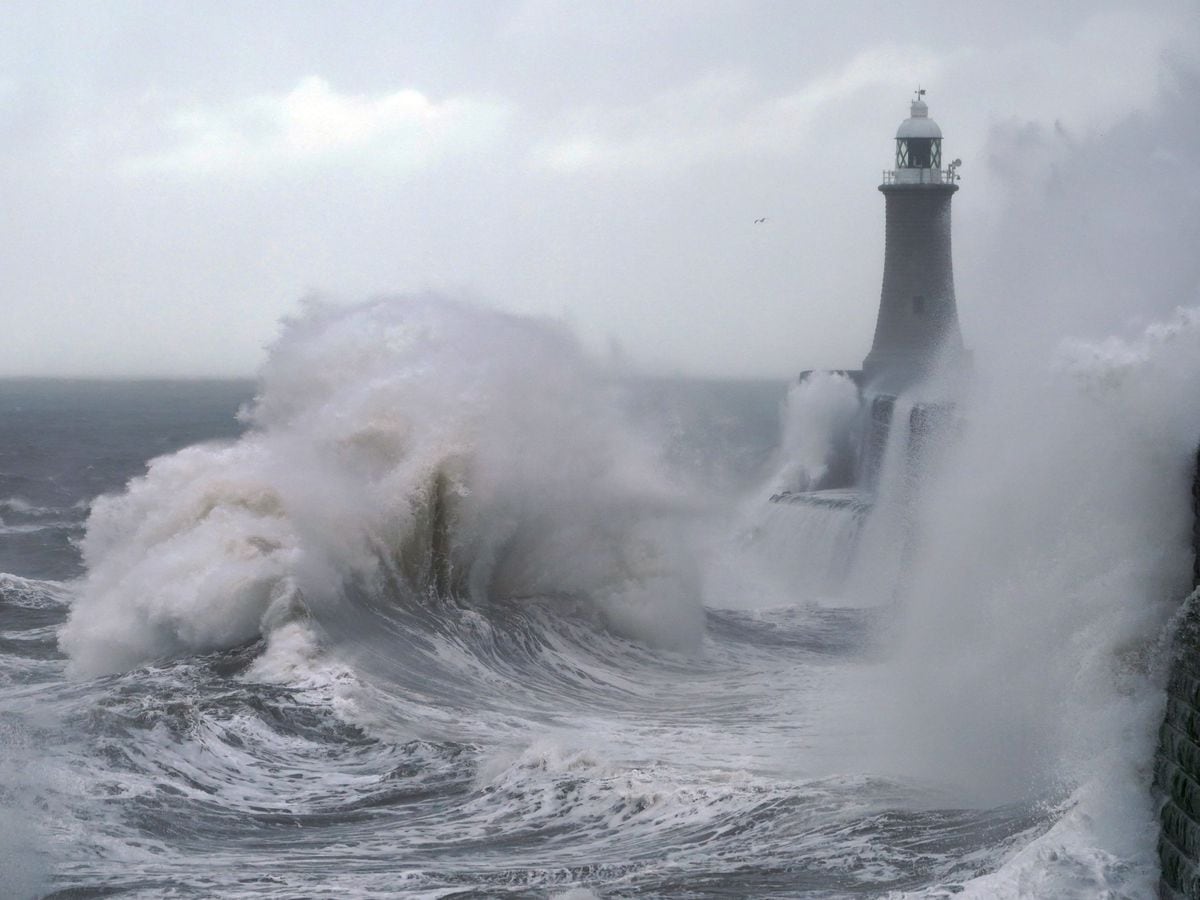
x=406, y=447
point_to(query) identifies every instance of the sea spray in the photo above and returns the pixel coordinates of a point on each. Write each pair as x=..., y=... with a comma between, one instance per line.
x=819, y=419
x=805, y=549
x=1054, y=549
x=787, y=551
x=367, y=420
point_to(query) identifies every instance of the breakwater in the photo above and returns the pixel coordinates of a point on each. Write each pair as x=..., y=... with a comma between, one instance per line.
x=1177, y=761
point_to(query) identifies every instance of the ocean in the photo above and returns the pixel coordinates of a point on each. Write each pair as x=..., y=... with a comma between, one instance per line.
x=439, y=606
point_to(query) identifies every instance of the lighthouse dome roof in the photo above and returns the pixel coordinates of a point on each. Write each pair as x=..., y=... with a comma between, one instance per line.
x=918, y=124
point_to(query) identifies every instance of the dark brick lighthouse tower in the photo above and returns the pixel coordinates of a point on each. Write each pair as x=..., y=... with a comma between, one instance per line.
x=918, y=318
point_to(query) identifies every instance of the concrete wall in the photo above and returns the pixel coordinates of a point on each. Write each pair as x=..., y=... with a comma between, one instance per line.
x=1177, y=762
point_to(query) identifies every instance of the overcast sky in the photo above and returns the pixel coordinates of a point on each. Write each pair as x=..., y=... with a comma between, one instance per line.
x=176, y=176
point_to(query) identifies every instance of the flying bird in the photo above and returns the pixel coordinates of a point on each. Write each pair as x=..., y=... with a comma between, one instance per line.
x=758, y=221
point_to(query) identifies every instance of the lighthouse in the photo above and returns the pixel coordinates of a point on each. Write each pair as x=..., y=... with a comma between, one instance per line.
x=918, y=317
x=916, y=329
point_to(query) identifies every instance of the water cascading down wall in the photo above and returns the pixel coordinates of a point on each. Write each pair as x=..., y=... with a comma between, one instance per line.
x=1177, y=762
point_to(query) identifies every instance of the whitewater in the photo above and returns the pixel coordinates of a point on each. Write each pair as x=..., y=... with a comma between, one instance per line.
x=453, y=609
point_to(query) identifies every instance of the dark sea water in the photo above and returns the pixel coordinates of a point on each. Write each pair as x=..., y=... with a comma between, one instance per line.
x=64, y=442
x=404, y=631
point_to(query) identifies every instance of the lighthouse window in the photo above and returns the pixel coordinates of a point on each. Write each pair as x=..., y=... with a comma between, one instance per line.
x=919, y=152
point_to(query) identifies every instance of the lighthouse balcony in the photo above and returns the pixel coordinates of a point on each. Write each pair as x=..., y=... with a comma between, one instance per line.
x=919, y=176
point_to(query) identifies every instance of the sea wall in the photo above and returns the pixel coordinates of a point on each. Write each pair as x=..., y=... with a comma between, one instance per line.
x=1177, y=761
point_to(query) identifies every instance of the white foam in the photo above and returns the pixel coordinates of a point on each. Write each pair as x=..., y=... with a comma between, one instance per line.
x=33, y=593
x=367, y=419
x=23, y=857
x=818, y=418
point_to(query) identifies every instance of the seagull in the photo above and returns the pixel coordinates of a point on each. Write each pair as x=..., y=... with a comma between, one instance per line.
x=759, y=221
